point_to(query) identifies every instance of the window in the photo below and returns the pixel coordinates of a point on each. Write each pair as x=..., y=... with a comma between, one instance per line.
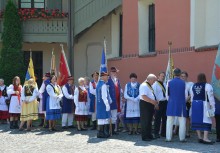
x=151, y=28
x=120, y=35
x=31, y=3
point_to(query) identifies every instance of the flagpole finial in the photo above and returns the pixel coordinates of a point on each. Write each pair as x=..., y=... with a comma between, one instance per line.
x=169, y=43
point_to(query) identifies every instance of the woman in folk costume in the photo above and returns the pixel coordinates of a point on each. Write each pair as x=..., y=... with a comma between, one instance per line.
x=201, y=92
x=81, y=100
x=14, y=90
x=43, y=95
x=132, y=109
x=4, y=115
x=53, y=112
x=29, y=109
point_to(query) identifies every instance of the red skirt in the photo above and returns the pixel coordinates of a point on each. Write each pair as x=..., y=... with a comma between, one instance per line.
x=14, y=114
x=4, y=115
x=81, y=117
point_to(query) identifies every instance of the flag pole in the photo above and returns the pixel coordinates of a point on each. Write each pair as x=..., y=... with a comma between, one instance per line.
x=170, y=61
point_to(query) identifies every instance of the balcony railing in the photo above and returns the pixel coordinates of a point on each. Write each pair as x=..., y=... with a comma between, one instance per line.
x=43, y=30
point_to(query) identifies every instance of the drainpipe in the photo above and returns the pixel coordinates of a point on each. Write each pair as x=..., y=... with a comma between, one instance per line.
x=70, y=40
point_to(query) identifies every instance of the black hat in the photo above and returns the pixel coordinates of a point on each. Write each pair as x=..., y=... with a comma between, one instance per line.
x=104, y=73
x=114, y=69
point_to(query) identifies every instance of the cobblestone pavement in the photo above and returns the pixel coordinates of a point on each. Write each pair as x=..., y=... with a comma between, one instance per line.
x=71, y=141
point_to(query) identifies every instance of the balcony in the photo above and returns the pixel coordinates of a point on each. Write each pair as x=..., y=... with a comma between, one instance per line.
x=43, y=30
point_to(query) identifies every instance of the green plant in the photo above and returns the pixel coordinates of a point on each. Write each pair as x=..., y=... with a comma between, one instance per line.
x=12, y=60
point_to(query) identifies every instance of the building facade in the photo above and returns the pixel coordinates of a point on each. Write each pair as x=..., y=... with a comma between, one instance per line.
x=137, y=34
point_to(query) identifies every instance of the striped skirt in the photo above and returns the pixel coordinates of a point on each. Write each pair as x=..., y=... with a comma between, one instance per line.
x=29, y=111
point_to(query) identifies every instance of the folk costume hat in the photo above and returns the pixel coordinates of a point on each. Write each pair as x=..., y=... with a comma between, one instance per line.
x=114, y=69
x=103, y=73
x=70, y=78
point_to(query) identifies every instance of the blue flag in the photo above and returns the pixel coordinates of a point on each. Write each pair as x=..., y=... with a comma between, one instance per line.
x=103, y=67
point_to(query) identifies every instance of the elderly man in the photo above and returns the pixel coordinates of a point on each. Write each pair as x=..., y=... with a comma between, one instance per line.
x=147, y=105
x=176, y=107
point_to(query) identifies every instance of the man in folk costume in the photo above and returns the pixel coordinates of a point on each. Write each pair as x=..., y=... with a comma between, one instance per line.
x=45, y=95
x=176, y=107
x=4, y=115
x=68, y=103
x=92, y=95
x=160, y=93
x=14, y=90
x=148, y=104
x=103, y=101
x=115, y=93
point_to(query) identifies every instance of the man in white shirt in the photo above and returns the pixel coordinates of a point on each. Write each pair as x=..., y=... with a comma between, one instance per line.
x=147, y=105
x=160, y=93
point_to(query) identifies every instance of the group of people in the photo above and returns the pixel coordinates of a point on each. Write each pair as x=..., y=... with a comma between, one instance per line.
x=104, y=102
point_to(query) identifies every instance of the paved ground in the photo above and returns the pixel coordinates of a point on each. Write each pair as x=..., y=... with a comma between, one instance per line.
x=71, y=141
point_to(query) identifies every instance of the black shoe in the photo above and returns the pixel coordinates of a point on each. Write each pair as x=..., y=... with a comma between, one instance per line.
x=94, y=125
x=12, y=125
x=187, y=136
x=136, y=133
x=200, y=140
x=217, y=140
x=16, y=125
x=106, y=130
x=46, y=126
x=113, y=130
x=130, y=133
x=101, y=133
x=183, y=141
x=208, y=142
x=64, y=127
x=146, y=139
x=156, y=136
x=71, y=127
x=41, y=123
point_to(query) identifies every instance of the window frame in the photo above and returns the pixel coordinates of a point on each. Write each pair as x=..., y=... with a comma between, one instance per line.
x=32, y=4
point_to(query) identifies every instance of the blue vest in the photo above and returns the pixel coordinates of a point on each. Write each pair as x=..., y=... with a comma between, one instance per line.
x=133, y=91
x=113, y=93
x=199, y=91
x=217, y=106
x=177, y=101
x=67, y=103
x=101, y=112
x=45, y=95
x=92, y=100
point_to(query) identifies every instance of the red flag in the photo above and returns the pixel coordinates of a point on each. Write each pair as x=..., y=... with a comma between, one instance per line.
x=63, y=69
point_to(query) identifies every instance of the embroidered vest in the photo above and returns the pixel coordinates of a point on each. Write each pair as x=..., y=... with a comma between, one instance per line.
x=28, y=90
x=199, y=91
x=133, y=91
x=82, y=95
